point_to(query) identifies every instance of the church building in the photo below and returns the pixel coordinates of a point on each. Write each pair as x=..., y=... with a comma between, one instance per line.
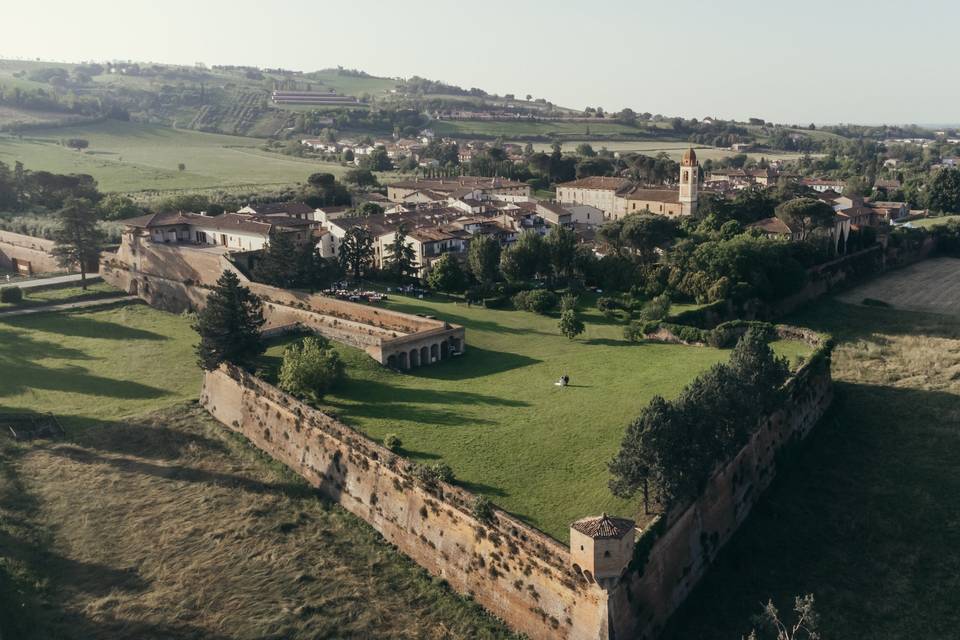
x=618, y=197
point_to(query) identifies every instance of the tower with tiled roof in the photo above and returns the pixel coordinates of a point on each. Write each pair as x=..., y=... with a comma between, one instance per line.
x=689, y=182
x=602, y=547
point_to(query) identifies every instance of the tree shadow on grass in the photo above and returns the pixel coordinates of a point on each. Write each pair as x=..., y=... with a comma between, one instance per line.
x=480, y=487
x=609, y=342
x=864, y=504
x=82, y=326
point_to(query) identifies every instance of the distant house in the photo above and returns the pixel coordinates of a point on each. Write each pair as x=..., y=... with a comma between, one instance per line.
x=297, y=210
x=233, y=231
x=818, y=184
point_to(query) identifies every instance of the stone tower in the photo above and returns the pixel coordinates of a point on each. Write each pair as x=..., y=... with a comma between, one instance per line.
x=689, y=182
x=601, y=548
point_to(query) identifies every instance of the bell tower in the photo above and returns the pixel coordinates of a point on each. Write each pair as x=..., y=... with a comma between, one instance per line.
x=689, y=182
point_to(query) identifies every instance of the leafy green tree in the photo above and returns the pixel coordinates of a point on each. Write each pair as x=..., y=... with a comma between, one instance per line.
x=656, y=309
x=447, y=275
x=370, y=209
x=310, y=368
x=561, y=249
x=568, y=302
x=229, y=325
x=584, y=150
x=944, y=191
x=376, y=160
x=526, y=258
x=401, y=260
x=805, y=215
x=356, y=251
x=360, y=178
x=483, y=259
x=570, y=324
x=647, y=232
x=118, y=207
x=78, y=239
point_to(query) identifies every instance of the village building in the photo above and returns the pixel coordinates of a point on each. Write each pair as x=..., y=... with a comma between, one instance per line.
x=460, y=186
x=821, y=185
x=618, y=197
x=297, y=210
x=232, y=231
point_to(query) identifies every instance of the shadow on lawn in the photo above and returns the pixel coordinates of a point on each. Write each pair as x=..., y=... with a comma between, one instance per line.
x=19, y=356
x=474, y=363
x=82, y=326
x=443, y=313
x=860, y=516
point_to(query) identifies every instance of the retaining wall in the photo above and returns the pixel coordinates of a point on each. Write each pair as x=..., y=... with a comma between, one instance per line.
x=516, y=572
x=36, y=251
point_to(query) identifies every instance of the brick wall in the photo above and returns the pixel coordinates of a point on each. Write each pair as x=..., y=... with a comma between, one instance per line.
x=516, y=572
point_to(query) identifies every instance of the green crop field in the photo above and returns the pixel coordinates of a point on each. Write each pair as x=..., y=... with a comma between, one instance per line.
x=128, y=157
x=864, y=517
x=466, y=128
x=929, y=223
x=494, y=415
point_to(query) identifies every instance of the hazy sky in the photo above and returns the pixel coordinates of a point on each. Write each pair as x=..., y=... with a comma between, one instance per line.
x=821, y=61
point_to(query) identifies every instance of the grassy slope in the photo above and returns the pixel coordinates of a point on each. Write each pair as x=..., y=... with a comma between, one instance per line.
x=126, y=156
x=865, y=517
x=60, y=296
x=494, y=415
x=165, y=525
x=929, y=223
x=469, y=127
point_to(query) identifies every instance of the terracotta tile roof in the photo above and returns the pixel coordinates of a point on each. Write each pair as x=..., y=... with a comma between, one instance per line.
x=605, y=183
x=652, y=195
x=285, y=208
x=604, y=527
x=774, y=226
x=447, y=185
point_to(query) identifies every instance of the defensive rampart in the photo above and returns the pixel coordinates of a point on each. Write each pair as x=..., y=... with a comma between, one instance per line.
x=517, y=572
x=27, y=254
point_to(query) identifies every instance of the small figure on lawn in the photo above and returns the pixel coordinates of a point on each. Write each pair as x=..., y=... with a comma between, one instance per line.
x=563, y=381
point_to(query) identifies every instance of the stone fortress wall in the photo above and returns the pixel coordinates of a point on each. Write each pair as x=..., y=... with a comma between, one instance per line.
x=17, y=248
x=518, y=573
x=177, y=278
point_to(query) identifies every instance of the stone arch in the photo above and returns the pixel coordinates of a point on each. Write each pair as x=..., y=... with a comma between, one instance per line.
x=392, y=361
x=402, y=358
x=434, y=352
x=134, y=287
x=444, y=350
x=424, y=355
x=414, y=358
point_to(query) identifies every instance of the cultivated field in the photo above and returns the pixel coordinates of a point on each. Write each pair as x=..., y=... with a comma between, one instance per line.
x=164, y=525
x=127, y=157
x=495, y=416
x=674, y=149
x=865, y=516
x=932, y=286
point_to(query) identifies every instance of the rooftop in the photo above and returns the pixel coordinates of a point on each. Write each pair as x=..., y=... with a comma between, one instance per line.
x=604, y=527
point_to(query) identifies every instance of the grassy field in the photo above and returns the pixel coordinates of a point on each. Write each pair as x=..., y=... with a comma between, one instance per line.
x=929, y=286
x=865, y=516
x=674, y=149
x=929, y=223
x=126, y=156
x=466, y=128
x=495, y=416
x=165, y=525
x=59, y=296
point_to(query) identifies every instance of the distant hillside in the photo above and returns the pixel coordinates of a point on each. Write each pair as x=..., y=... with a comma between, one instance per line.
x=226, y=99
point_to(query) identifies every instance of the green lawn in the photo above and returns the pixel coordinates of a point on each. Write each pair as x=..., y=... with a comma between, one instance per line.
x=67, y=294
x=929, y=223
x=97, y=365
x=125, y=156
x=495, y=416
x=865, y=517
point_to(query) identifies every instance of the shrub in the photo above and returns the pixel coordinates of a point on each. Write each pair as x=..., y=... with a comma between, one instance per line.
x=483, y=509
x=539, y=301
x=392, y=441
x=310, y=368
x=656, y=309
x=634, y=332
x=568, y=302
x=570, y=324
x=13, y=295
x=442, y=471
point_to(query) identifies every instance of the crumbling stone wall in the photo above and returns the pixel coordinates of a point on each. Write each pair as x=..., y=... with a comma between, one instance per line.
x=515, y=571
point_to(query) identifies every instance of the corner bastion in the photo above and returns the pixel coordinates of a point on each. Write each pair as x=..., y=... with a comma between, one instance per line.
x=177, y=277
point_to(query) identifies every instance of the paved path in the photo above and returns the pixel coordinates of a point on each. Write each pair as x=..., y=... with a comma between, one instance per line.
x=67, y=306
x=49, y=282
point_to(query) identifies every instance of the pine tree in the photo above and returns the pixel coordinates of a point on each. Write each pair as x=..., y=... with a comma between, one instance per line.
x=401, y=262
x=78, y=238
x=278, y=264
x=229, y=325
x=356, y=251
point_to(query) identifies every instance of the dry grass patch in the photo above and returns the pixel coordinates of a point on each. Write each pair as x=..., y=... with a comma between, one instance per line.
x=170, y=527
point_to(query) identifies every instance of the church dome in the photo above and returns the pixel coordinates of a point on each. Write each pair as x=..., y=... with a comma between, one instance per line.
x=689, y=157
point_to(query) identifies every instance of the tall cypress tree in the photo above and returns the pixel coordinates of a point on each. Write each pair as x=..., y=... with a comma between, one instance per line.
x=229, y=326
x=278, y=264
